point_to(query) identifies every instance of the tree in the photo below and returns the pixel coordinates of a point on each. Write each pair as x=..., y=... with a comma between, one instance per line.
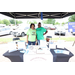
x=49, y=21
x=72, y=18
x=17, y=22
x=1, y=22
x=5, y=21
x=33, y=21
x=66, y=22
x=63, y=23
x=57, y=23
x=44, y=21
x=12, y=21
x=20, y=22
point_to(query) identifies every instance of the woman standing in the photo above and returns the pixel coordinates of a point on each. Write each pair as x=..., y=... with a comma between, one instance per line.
x=40, y=31
x=31, y=35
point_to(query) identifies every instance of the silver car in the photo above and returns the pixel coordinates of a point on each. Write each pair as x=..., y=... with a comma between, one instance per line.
x=5, y=30
x=60, y=31
x=20, y=31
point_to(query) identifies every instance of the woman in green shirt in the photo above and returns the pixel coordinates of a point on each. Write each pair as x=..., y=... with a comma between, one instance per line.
x=40, y=31
x=31, y=35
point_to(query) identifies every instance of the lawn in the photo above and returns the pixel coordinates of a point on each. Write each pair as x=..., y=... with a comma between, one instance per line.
x=6, y=40
x=65, y=38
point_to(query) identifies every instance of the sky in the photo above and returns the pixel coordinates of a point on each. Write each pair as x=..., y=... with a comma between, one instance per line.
x=38, y=20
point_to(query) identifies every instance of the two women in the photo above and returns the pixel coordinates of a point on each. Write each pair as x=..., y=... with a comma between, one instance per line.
x=34, y=35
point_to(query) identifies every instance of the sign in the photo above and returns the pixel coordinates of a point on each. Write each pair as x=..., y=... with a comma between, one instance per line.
x=71, y=26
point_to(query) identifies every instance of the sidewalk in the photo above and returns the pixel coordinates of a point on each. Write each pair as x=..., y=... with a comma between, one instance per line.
x=3, y=49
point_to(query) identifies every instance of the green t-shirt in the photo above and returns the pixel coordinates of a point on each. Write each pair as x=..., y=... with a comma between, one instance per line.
x=31, y=35
x=39, y=32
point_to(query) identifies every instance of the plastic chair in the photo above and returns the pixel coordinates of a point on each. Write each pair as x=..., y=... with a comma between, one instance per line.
x=48, y=40
x=14, y=39
x=49, y=37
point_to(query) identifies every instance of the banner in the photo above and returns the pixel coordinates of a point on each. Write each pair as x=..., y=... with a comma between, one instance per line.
x=71, y=26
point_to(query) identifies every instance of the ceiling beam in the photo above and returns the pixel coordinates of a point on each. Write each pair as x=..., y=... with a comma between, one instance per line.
x=11, y=14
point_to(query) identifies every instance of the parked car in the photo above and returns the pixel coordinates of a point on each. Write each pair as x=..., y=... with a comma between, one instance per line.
x=46, y=27
x=60, y=31
x=5, y=30
x=52, y=27
x=73, y=33
x=2, y=25
x=21, y=31
x=66, y=26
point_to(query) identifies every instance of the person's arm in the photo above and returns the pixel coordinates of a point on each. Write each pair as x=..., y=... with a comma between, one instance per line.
x=27, y=38
x=27, y=35
x=36, y=40
x=45, y=32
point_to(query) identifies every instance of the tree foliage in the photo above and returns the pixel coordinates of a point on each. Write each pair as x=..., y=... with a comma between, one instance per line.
x=5, y=21
x=57, y=23
x=63, y=23
x=11, y=21
x=1, y=22
x=72, y=18
x=49, y=21
x=33, y=21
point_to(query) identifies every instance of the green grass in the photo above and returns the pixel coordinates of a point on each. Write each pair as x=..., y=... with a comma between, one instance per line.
x=6, y=40
x=65, y=38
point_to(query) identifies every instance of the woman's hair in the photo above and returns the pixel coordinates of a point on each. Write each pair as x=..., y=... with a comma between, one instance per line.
x=32, y=24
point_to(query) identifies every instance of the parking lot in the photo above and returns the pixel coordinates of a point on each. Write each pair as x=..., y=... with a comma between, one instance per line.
x=50, y=33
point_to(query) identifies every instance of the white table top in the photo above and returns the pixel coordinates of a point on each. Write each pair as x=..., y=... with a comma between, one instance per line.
x=38, y=55
x=35, y=50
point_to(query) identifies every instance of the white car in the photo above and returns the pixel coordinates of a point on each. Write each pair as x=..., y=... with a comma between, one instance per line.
x=2, y=25
x=20, y=31
x=5, y=30
x=60, y=31
x=73, y=33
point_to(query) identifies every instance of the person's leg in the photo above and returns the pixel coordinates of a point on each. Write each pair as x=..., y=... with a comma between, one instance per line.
x=33, y=43
x=29, y=43
x=38, y=42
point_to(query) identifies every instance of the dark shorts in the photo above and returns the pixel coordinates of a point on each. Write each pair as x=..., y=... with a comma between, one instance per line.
x=31, y=43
